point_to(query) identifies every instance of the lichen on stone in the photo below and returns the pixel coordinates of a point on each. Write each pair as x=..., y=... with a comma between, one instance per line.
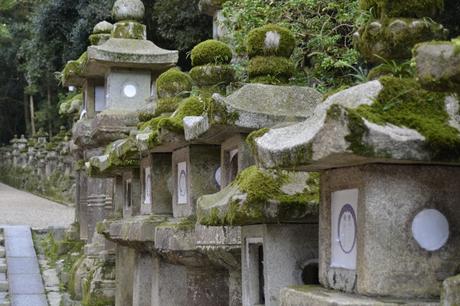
x=211, y=52
x=129, y=30
x=270, y=40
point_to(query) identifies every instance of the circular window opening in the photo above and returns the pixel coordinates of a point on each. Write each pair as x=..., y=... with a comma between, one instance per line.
x=310, y=274
x=430, y=229
x=130, y=90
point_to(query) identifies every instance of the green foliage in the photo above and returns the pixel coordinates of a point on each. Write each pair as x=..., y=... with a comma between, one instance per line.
x=322, y=29
x=270, y=40
x=397, y=69
x=172, y=83
x=407, y=8
x=403, y=102
x=207, y=75
x=279, y=68
x=211, y=52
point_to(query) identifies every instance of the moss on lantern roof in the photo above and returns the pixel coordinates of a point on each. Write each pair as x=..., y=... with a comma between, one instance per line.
x=407, y=8
x=270, y=40
x=251, y=198
x=74, y=68
x=211, y=52
x=404, y=103
x=193, y=106
x=173, y=82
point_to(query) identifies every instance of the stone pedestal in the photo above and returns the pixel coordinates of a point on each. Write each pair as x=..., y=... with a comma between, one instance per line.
x=274, y=257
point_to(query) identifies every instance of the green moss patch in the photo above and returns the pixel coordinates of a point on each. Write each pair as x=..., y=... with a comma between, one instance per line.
x=207, y=75
x=263, y=188
x=279, y=68
x=129, y=30
x=173, y=82
x=403, y=102
x=270, y=40
x=407, y=8
x=193, y=106
x=211, y=52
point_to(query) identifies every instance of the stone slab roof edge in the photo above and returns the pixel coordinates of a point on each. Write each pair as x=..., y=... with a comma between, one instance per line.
x=321, y=141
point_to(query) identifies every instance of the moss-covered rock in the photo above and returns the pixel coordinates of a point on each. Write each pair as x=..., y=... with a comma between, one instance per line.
x=438, y=65
x=404, y=103
x=207, y=75
x=211, y=52
x=407, y=8
x=394, y=38
x=262, y=196
x=270, y=40
x=271, y=68
x=172, y=83
x=129, y=30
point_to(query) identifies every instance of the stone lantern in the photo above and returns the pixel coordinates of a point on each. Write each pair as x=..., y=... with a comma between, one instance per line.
x=388, y=222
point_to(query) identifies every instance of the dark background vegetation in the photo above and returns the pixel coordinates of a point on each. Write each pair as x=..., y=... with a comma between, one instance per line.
x=37, y=38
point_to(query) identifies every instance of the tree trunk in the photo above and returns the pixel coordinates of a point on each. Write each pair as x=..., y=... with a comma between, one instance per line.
x=50, y=123
x=27, y=116
x=32, y=114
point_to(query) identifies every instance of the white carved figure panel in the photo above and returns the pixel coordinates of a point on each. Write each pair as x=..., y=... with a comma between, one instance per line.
x=148, y=186
x=344, y=205
x=182, y=192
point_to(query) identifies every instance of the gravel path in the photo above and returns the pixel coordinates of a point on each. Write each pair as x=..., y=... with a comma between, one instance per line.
x=22, y=208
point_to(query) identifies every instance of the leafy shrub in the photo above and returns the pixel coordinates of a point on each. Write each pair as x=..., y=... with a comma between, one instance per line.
x=323, y=31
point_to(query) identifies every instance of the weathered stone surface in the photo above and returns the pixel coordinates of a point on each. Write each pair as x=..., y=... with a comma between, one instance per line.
x=319, y=296
x=438, y=65
x=129, y=53
x=450, y=294
x=107, y=126
x=128, y=10
x=139, y=229
x=284, y=256
x=257, y=106
x=103, y=27
x=322, y=141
